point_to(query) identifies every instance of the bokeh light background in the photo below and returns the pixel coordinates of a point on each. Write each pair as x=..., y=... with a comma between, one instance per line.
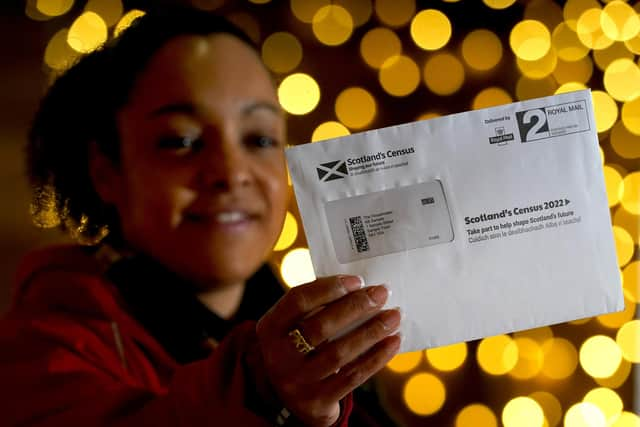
x=345, y=66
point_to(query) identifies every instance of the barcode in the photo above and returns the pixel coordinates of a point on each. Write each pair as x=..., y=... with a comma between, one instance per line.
x=359, y=235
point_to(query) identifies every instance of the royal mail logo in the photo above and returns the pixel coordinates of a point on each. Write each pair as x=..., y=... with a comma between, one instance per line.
x=533, y=124
x=332, y=170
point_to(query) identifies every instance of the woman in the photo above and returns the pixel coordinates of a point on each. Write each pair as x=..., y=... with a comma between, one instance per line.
x=171, y=138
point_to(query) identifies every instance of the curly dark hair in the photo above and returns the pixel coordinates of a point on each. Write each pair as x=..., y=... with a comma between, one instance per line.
x=80, y=107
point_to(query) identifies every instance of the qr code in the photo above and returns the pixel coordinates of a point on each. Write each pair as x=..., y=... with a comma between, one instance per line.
x=359, y=235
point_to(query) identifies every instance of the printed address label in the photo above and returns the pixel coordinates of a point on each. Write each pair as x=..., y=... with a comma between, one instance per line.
x=389, y=221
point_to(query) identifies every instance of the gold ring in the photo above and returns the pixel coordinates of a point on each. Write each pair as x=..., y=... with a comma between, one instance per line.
x=300, y=342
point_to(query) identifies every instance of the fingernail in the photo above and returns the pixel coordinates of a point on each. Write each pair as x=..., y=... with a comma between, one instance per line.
x=391, y=319
x=352, y=283
x=378, y=294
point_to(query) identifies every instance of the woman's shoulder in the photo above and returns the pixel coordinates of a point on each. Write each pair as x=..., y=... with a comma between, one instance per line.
x=63, y=278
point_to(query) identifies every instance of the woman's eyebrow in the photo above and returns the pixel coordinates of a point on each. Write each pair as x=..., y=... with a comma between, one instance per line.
x=184, y=108
x=259, y=105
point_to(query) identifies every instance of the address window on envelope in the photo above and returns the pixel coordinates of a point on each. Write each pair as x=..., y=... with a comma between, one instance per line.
x=389, y=221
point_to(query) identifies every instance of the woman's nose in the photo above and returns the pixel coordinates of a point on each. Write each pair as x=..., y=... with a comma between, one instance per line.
x=225, y=163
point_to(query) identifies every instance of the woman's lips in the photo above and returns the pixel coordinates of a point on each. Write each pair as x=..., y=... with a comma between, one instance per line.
x=231, y=219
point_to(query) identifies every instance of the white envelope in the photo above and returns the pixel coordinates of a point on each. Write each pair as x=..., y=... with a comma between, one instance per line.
x=481, y=223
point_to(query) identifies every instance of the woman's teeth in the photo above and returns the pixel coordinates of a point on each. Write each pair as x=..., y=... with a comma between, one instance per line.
x=227, y=217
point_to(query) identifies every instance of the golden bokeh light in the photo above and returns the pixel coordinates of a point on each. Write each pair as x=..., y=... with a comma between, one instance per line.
x=498, y=4
x=619, y=377
x=572, y=87
x=332, y=25
x=530, y=359
x=288, y=234
x=605, y=110
x=573, y=9
x=604, y=57
x=109, y=10
x=299, y=94
x=430, y=29
x=550, y=406
x=628, y=339
x=619, y=318
x=447, y=358
x=631, y=281
x=491, y=97
x=281, y=52
x=622, y=79
x=126, y=20
x=481, y=49
x=405, y=362
x=560, y=358
x=54, y=7
x=443, y=74
x=629, y=222
x=627, y=419
x=305, y=10
x=530, y=40
x=633, y=45
x=476, y=415
x=359, y=10
x=600, y=356
x=355, y=107
x=378, y=45
x=630, y=198
x=540, y=68
x=424, y=394
x=549, y=12
x=527, y=88
x=58, y=55
x=539, y=335
x=522, y=411
x=584, y=414
x=579, y=71
x=399, y=75
x=607, y=401
x=32, y=12
x=296, y=268
x=428, y=115
x=497, y=355
x=590, y=31
x=87, y=33
x=329, y=130
x=619, y=21
x=630, y=114
x=567, y=44
x=395, y=13
x=623, y=142
x=612, y=180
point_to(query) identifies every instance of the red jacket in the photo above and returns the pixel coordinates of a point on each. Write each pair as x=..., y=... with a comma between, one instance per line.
x=71, y=355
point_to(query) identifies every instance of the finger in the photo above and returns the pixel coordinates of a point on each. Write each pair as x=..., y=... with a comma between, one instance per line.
x=357, y=372
x=339, y=353
x=342, y=313
x=299, y=301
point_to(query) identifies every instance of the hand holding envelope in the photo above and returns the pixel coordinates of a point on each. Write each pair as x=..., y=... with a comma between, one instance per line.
x=482, y=223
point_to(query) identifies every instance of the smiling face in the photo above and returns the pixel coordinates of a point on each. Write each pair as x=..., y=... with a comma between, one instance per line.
x=202, y=182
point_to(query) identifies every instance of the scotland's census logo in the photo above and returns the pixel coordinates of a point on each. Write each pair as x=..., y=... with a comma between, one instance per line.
x=332, y=170
x=553, y=121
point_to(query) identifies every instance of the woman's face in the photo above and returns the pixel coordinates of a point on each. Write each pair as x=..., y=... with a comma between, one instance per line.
x=202, y=184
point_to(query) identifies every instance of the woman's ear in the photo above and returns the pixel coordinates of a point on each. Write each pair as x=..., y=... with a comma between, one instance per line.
x=106, y=177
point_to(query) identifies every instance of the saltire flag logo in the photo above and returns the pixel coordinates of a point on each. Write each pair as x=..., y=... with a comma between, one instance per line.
x=332, y=170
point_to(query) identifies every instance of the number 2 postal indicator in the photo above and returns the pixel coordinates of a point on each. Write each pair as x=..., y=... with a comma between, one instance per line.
x=552, y=121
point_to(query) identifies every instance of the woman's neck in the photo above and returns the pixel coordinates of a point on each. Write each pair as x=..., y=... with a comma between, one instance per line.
x=224, y=300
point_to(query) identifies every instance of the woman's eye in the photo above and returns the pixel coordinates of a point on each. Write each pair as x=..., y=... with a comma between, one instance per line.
x=180, y=143
x=262, y=141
